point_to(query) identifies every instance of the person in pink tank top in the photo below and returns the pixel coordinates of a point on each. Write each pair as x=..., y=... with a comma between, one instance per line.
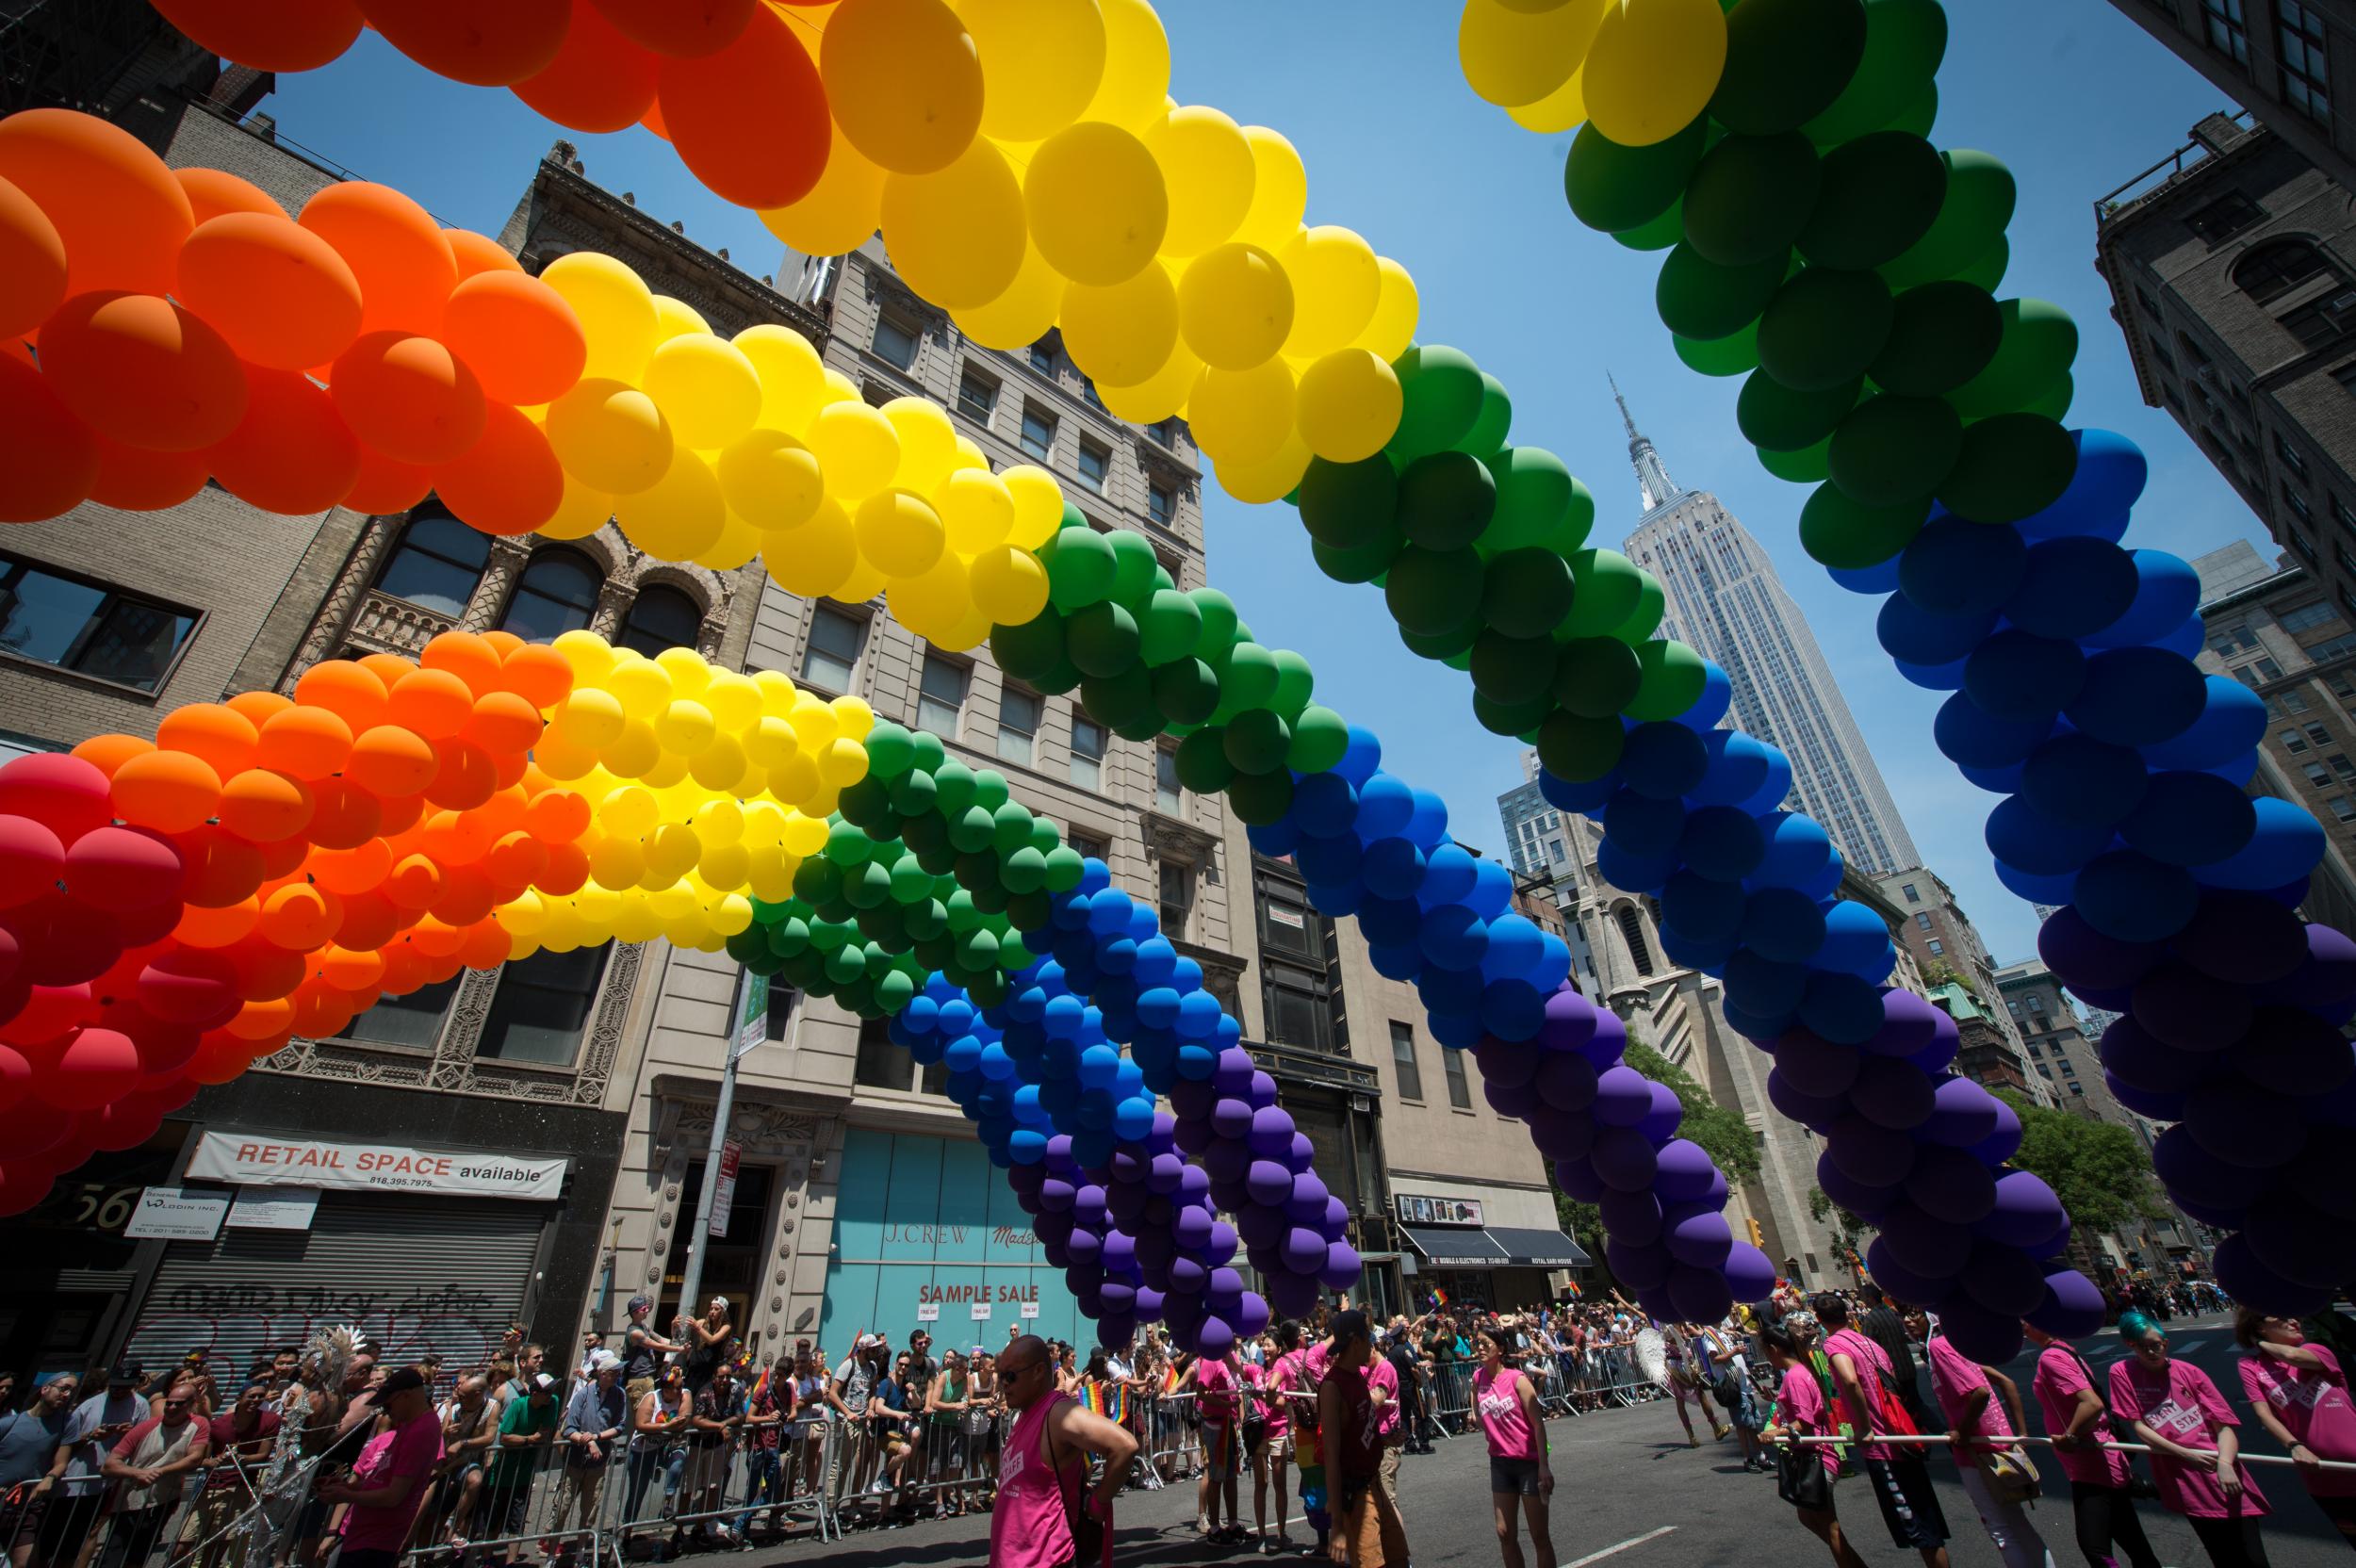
x=1041, y=1518
x=1506, y=1403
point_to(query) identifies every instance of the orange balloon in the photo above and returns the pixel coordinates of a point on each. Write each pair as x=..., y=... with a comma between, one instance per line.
x=599, y=81
x=466, y=656
x=466, y=896
x=504, y=722
x=557, y=817
x=568, y=869
x=169, y=791
x=268, y=35
x=408, y=397
x=259, y=705
x=321, y=1012
x=291, y=454
x=136, y=479
x=32, y=263
x=265, y=806
x=538, y=673
x=486, y=946
x=350, y=689
x=405, y=267
x=369, y=919
x=221, y=869
x=264, y=973
x=212, y=192
x=465, y=778
x=284, y=859
x=652, y=119
x=509, y=482
x=299, y=917
x=386, y=667
x=108, y=752
x=404, y=968
x=515, y=861
x=140, y=368
x=518, y=335
x=308, y=744
x=435, y=704
x=415, y=883
x=348, y=815
x=351, y=871
x=670, y=28
x=224, y=738
x=279, y=293
x=389, y=761
x=351, y=970
x=749, y=121
x=48, y=457
x=217, y=928
x=478, y=253
x=481, y=45
x=115, y=205
x=386, y=487
x=260, y=1021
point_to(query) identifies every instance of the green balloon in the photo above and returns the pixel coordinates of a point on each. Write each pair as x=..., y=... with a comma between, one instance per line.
x=1169, y=628
x=973, y=830
x=1034, y=909
x=1595, y=677
x=1186, y=691
x=1660, y=233
x=1881, y=194
x=2055, y=402
x=1576, y=750
x=1671, y=681
x=964, y=915
x=1972, y=218
x=891, y=751
x=1024, y=871
x=1787, y=61
x=1941, y=335
x=1642, y=621
x=1841, y=533
x=1892, y=450
x=1750, y=198
x=1526, y=593
x=1354, y=566
x=818, y=880
x=909, y=881
x=881, y=925
x=831, y=936
x=1701, y=300
x=1824, y=328
x=845, y=964
x=1989, y=270
x=1774, y=416
x=1122, y=701
x=1257, y=741
x=1615, y=189
x=990, y=790
x=1219, y=623
x=1134, y=565
x=790, y=936
x=1080, y=565
x=978, y=949
x=1102, y=639
x=978, y=870
x=1431, y=591
x=1514, y=670
x=1451, y=646
x=1045, y=835
x=847, y=847
x=1509, y=718
x=1441, y=393
x=1011, y=825
x=930, y=752
x=1904, y=41
x=1202, y=764
x=1497, y=417
x=1065, y=867
x=1351, y=506
x=1261, y=799
x=992, y=989
x=1059, y=677
x=1608, y=588
x=952, y=782
x=1800, y=467
x=2013, y=465
x=925, y=921
x=1249, y=678
x=912, y=794
x=2039, y=344
x=927, y=835
x=866, y=885
x=1029, y=650
x=1918, y=117
x=1446, y=500
x=1538, y=502
x=868, y=803
x=1320, y=738
x=1294, y=683
x=1735, y=355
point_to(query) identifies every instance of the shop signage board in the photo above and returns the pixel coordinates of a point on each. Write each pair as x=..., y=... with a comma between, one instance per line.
x=255, y=1159
x=723, y=1190
x=1416, y=1208
x=274, y=1208
x=174, y=1213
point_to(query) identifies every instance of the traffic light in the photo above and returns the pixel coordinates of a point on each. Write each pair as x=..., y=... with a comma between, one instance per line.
x=1757, y=1239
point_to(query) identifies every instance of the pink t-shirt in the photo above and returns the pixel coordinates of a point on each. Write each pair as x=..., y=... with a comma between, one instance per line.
x=2311, y=1404
x=1869, y=1358
x=1288, y=1378
x=1498, y=1402
x=1802, y=1402
x=2183, y=1407
x=2058, y=1378
x=1382, y=1375
x=1216, y=1380
x=1954, y=1376
x=1029, y=1526
x=410, y=1450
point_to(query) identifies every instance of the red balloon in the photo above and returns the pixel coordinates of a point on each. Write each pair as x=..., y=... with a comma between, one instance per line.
x=481, y=45
x=222, y=869
x=29, y=1127
x=751, y=121
x=24, y=1180
x=164, y=1046
x=292, y=452
x=408, y=397
x=97, y=1066
x=16, y=1076
x=49, y=459
x=384, y=486
x=66, y=942
x=48, y=1012
x=144, y=370
x=268, y=35
x=136, y=479
x=599, y=81
x=123, y=868
x=191, y=985
x=668, y=27
x=65, y=792
x=145, y=926
x=124, y=1123
x=31, y=861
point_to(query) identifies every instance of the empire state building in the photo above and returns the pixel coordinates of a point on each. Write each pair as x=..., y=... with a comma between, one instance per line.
x=1724, y=599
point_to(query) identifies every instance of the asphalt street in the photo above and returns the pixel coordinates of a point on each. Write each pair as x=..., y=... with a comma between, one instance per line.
x=1630, y=1494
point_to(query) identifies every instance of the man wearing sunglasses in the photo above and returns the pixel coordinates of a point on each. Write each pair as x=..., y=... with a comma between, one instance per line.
x=1043, y=1518
x=149, y=1467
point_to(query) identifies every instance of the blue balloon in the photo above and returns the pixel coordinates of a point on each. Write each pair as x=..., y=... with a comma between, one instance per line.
x=1844, y=1009
x=1095, y=876
x=1337, y=901
x=2073, y=586
x=1197, y=1062
x=1516, y=946
x=2138, y=696
x=1027, y=1146
x=1554, y=964
x=2023, y=837
x=1384, y=806
x=1634, y=874
x=2190, y=819
x=1454, y=937
x=1448, y=874
x=1644, y=825
x=1491, y=891
x=1914, y=635
x=1513, y=1011
x=1722, y=842
x=1157, y=1008
x=2233, y=721
x=1456, y=1031
x=2237, y=771
x=1953, y=567
x=1157, y=961
x=2285, y=844
x=1709, y=708
x=1739, y=768
x=1395, y=960
x=1771, y=794
x=1703, y=910
x=1663, y=759
x=1132, y=1118
x=1449, y=991
x=2082, y=782
x=1761, y=986
x=2168, y=590
x=1968, y=735
x=1428, y=823
x=1393, y=868
x=2132, y=898
x=1274, y=840
x=2188, y=638
x=1707, y=953
x=1099, y=1065
x=1361, y=756
x=1783, y=924
x=1109, y=912
x=964, y=1055
x=1880, y=577
x=1797, y=849
x=2020, y=675
x=2034, y=887
x=1827, y=881
x=1324, y=804
x=1390, y=922
x=1855, y=941
x=2110, y=475
x=1199, y=1014
x=1932, y=677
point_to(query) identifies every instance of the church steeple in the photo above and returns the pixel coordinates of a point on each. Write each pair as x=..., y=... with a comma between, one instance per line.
x=1652, y=475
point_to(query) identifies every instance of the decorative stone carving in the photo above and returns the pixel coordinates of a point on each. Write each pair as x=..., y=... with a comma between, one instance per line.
x=1172, y=839
x=508, y=558
x=383, y=624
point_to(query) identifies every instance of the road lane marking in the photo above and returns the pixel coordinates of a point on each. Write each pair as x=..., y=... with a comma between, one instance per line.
x=1614, y=1551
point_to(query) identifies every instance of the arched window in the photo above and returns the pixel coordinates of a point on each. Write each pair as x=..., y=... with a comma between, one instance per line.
x=558, y=593
x=2273, y=270
x=437, y=563
x=1632, y=932
x=660, y=618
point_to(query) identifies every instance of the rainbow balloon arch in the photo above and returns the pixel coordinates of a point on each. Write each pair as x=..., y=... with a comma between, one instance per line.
x=172, y=911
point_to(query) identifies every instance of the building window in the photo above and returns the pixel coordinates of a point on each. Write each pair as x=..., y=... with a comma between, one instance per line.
x=1017, y=724
x=880, y=1064
x=2297, y=503
x=2342, y=684
x=2319, y=775
x=2342, y=808
x=1161, y=504
x=1290, y=929
x=414, y=1021
x=2228, y=29
x=1177, y=899
x=2342, y=767
x=2306, y=59
x=542, y=1010
x=895, y=342
x=2268, y=669
x=1922, y=919
x=2318, y=734
x=1095, y=466
x=2331, y=647
x=1169, y=796
x=1165, y=431
x=1403, y=1062
x=941, y=697
x=2323, y=321
x=2302, y=617
x=558, y=593
x=830, y=659
x=1632, y=932
x=2289, y=455
x=1459, y=1091
x=1296, y=1015
x=2291, y=701
x=2274, y=270
x=1091, y=845
x=2220, y=220
x=1937, y=947
x=1907, y=888
x=88, y=627
x=1039, y=433
x=437, y=564
x=1088, y=752
x=1043, y=359
x=660, y=617
x=978, y=396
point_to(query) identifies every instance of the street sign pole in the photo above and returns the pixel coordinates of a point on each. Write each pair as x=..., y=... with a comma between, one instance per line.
x=748, y=1012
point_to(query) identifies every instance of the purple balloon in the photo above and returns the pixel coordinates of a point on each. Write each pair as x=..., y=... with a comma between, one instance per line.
x=2080, y=955
x=2299, y=1241
x=1187, y=1276
x=2004, y=1279
x=1950, y=1184
x=1304, y=1154
x=1232, y=1077
x=1812, y=1111
x=1221, y=1245
x=1272, y=1131
x=1910, y=1022
x=1513, y=1065
x=1962, y=1114
x=1863, y=1198
x=1056, y=1195
x=1984, y=1334
x=1570, y=1022
x=1914, y=1290
x=1565, y=1081
x=1336, y=1221
x=1640, y=1268
x=1685, y=1171
x=1945, y=1042
x=1700, y=1295
x=1929, y=1248
x=1121, y=1252
x=1577, y=1179
x=2072, y=1307
x=1562, y=1135
x=1228, y=1159
x=1294, y=1294
x=1252, y=1315
x=1509, y=1099
x=1624, y=1158
x=2002, y=1144
x=1192, y=1228
x=1622, y=1097
x=1816, y=1066
x=2181, y=1006
x=2293, y=1051
x=1190, y=1100
x=2159, y=1106
x=1869, y=1153
x=2327, y=975
x=1267, y=1183
x=1214, y=1337
x=1661, y=1123
x=1702, y=1240
x=2256, y=1285
x=1165, y=1174
x=1606, y=1045
x=2024, y=1212
x=1084, y=1245
x=1193, y=1185
x=1632, y=1218
x=1303, y=1251
x=1307, y=1202
x=1343, y=1267
x=2242, y=938
x=1892, y=1093
x=1263, y=1225
x=2243, y=1125
x=1750, y=1273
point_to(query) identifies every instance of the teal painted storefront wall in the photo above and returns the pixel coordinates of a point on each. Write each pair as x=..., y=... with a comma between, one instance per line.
x=923, y=1219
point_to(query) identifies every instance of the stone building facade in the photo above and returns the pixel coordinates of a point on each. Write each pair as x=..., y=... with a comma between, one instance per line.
x=2276, y=58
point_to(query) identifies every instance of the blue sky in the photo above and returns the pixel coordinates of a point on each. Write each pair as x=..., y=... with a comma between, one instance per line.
x=2075, y=97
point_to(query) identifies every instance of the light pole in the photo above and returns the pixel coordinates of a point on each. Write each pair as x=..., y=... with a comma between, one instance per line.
x=750, y=1009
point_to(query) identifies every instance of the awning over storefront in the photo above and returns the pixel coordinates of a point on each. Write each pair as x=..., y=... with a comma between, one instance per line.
x=1539, y=1249
x=1456, y=1248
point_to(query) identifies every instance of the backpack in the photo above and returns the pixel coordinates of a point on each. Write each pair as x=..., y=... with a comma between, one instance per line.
x=1890, y=1415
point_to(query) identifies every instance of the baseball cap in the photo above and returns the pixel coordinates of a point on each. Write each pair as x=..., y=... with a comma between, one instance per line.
x=638, y=1301
x=604, y=1361
x=125, y=1374
x=869, y=1342
x=401, y=1380
x=540, y=1380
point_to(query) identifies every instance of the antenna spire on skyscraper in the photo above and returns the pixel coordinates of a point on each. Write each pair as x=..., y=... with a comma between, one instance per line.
x=1652, y=475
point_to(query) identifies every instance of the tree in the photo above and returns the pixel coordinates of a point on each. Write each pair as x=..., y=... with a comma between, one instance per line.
x=1848, y=1227
x=2100, y=1170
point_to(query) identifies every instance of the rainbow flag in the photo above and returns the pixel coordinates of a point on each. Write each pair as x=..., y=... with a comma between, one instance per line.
x=1439, y=1296
x=1170, y=1380
x=760, y=1384
x=1107, y=1399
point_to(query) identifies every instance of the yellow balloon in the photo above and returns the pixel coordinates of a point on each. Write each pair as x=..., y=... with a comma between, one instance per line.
x=672, y=851
x=956, y=234
x=841, y=210
x=720, y=765
x=1209, y=168
x=842, y=763
x=1009, y=585
x=1652, y=68
x=734, y=701
x=1122, y=334
x=1160, y=395
x=769, y=741
x=1563, y=109
x=1337, y=285
x=853, y=717
x=706, y=388
x=858, y=450
x=771, y=480
x=1136, y=66
x=524, y=917
x=590, y=655
x=689, y=674
x=641, y=686
x=928, y=443
x=630, y=810
x=617, y=863
x=1349, y=405
x=793, y=381
x=1242, y=416
x=1280, y=191
x=899, y=531
x=1234, y=305
x=611, y=437
x=933, y=600
x=977, y=510
x=580, y=513
x=1513, y=55
x=1037, y=505
x=676, y=317
x=866, y=581
x=818, y=556
x=804, y=836
x=616, y=311
x=739, y=541
x=813, y=721
x=724, y=865
x=1096, y=203
x=686, y=726
x=1041, y=62
x=969, y=455
x=679, y=516
x=970, y=631
x=903, y=81
x=1021, y=315
x=1392, y=328
x=590, y=717
x=1270, y=479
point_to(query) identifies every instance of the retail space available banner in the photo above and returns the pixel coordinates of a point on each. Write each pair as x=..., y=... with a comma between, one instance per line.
x=251, y=1160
